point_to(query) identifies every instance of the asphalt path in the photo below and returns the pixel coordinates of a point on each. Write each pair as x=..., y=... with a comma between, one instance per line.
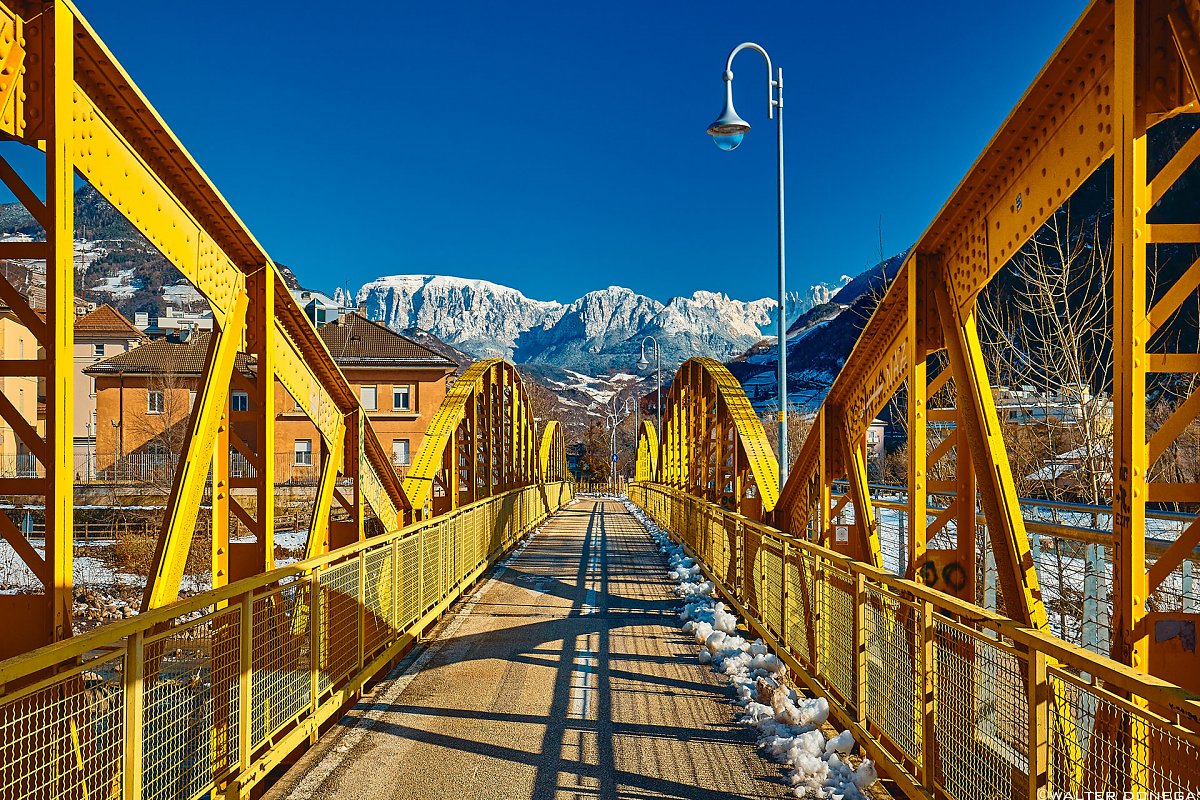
x=563, y=675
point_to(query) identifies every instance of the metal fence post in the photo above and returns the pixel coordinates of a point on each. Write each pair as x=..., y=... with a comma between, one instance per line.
x=818, y=616
x=245, y=689
x=927, y=712
x=135, y=670
x=362, y=609
x=314, y=645
x=860, y=647
x=783, y=596
x=1038, y=686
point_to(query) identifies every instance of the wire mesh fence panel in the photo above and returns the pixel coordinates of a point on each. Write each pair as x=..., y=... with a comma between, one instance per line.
x=724, y=551
x=190, y=706
x=339, y=622
x=894, y=670
x=751, y=583
x=281, y=684
x=430, y=566
x=64, y=737
x=836, y=591
x=802, y=606
x=378, y=620
x=1101, y=745
x=455, y=570
x=770, y=586
x=410, y=574
x=982, y=719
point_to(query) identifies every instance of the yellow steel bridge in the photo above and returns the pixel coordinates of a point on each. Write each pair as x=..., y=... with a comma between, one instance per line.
x=952, y=691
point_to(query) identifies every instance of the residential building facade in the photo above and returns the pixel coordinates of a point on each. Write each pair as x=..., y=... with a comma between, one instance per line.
x=400, y=384
x=99, y=334
x=22, y=392
x=144, y=398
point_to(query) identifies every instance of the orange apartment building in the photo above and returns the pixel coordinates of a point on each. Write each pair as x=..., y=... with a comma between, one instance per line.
x=400, y=384
x=144, y=397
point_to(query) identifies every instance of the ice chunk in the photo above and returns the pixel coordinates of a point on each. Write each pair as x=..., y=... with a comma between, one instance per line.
x=842, y=743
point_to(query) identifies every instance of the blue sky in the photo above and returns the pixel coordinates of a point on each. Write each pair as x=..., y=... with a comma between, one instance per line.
x=560, y=147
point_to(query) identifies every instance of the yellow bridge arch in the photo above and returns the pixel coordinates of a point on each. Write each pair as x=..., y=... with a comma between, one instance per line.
x=646, y=468
x=552, y=453
x=713, y=444
x=481, y=442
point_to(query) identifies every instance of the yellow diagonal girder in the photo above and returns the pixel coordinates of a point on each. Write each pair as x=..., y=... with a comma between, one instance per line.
x=183, y=506
x=373, y=463
x=318, y=529
x=306, y=388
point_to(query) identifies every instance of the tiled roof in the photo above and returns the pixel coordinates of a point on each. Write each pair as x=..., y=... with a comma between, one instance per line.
x=355, y=341
x=106, y=322
x=165, y=357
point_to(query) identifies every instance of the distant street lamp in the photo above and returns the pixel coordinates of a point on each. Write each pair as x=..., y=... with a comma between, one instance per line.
x=644, y=364
x=614, y=421
x=728, y=131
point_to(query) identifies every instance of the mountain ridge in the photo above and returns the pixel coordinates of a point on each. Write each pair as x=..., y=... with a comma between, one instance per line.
x=595, y=334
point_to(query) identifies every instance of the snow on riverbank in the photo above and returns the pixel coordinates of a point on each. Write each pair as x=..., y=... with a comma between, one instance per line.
x=788, y=726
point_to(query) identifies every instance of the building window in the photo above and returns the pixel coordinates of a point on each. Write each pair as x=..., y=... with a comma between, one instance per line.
x=304, y=452
x=402, y=398
x=92, y=382
x=369, y=396
x=155, y=402
x=400, y=452
x=240, y=402
x=191, y=400
x=98, y=350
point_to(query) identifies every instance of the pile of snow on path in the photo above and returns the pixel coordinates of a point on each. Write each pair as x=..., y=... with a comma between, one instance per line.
x=789, y=728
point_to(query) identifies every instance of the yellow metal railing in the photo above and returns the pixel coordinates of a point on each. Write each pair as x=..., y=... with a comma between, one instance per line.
x=950, y=699
x=212, y=692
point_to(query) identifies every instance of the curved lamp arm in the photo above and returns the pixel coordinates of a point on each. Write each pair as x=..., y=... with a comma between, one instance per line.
x=771, y=81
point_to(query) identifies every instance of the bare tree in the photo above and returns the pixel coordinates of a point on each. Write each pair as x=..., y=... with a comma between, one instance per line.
x=1047, y=335
x=153, y=437
x=800, y=421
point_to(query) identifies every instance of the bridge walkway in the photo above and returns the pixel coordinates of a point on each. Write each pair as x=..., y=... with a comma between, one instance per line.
x=563, y=676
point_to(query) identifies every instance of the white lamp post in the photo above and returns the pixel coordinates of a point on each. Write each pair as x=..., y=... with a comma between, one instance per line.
x=728, y=131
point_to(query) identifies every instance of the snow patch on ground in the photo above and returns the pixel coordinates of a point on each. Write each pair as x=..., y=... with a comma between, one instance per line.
x=788, y=726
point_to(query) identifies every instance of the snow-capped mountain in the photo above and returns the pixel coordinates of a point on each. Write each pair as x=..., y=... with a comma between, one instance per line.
x=480, y=317
x=600, y=332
